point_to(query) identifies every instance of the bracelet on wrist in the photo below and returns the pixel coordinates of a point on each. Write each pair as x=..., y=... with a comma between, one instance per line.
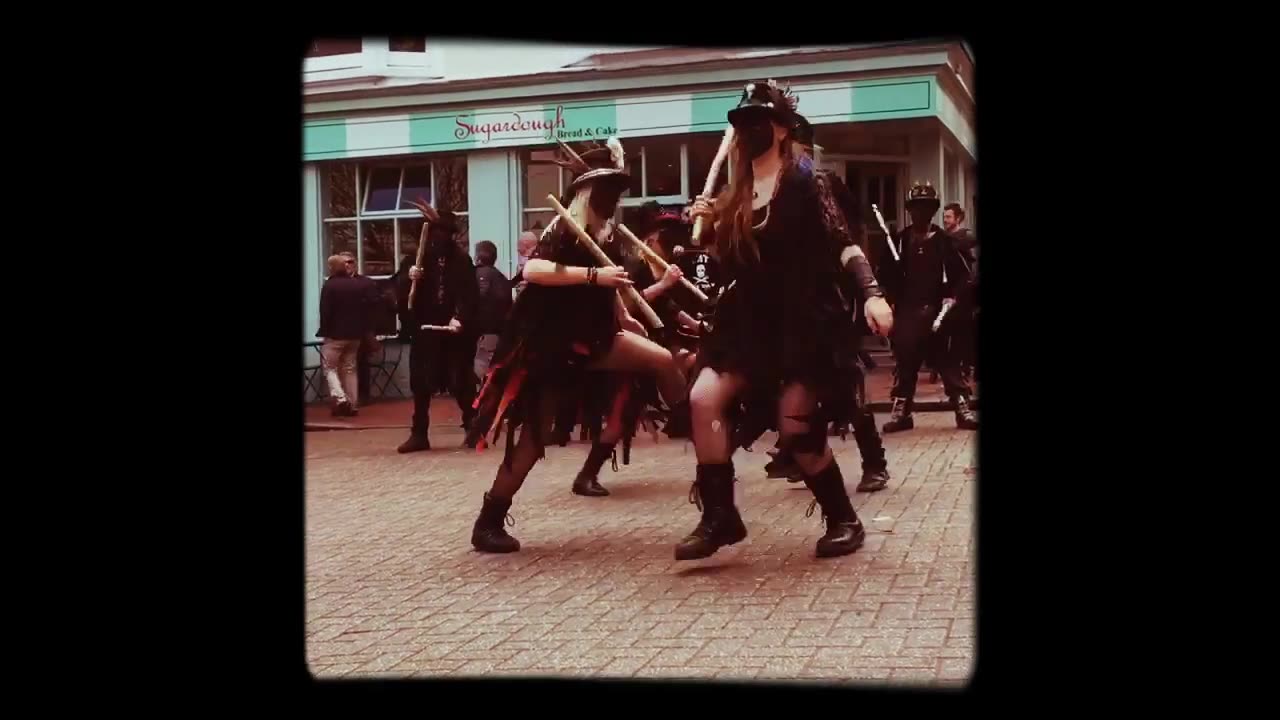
x=591, y=276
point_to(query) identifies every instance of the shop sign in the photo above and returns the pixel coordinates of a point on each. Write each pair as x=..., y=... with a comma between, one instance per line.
x=516, y=125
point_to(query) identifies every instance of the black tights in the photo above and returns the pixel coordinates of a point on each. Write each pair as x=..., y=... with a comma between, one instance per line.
x=799, y=426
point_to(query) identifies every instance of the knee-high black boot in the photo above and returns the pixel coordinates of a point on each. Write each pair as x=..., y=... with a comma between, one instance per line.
x=845, y=533
x=721, y=524
x=588, y=482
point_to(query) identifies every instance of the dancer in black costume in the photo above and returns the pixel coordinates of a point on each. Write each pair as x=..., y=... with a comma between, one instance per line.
x=931, y=272
x=569, y=323
x=782, y=337
x=867, y=302
x=446, y=296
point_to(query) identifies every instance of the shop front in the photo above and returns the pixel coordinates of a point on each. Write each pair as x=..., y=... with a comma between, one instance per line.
x=492, y=164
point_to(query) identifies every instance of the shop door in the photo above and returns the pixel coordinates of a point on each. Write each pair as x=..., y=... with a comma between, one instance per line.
x=880, y=184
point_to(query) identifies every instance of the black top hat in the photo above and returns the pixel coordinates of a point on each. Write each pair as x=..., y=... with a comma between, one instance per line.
x=803, y=132
x=596, y=163
x=767, y=99
x=924, y=193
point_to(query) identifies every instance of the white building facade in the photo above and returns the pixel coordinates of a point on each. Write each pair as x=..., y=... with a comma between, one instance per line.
x=469, y=127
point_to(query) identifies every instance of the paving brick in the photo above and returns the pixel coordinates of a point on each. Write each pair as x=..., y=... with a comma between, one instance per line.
x=394, y=589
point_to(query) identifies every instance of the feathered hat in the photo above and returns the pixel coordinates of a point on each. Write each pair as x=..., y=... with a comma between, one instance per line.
x=766, y=99
x=598, y=162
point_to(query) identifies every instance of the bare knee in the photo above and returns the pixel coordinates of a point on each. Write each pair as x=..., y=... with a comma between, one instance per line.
x=706, y=398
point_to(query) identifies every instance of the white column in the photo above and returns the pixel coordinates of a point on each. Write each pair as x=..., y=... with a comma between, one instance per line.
x=312, y=241
x=489, y=204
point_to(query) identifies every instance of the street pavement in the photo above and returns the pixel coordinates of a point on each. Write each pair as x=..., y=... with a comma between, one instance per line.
x=394, y=588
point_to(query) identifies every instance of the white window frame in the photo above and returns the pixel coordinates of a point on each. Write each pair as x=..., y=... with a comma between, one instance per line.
x=362, y=217
x=346, y=61
x=374, y=60
x=680, y=199
x=625, y=202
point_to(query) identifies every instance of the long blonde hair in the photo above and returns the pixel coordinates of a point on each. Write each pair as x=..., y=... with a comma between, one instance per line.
x=734, y=238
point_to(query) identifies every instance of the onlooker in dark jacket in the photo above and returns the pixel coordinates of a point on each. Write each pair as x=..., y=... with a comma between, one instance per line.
x=346, y=317
x=493, y=305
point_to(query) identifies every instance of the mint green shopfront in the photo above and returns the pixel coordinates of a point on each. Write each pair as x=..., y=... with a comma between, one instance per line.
x=491, y=163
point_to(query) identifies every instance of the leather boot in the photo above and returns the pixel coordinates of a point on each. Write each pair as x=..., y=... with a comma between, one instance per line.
x=900, y=418
x=417, y=442
x=875, y=471
x=845, y=533
x=488, y=535
x=721, y=524
x=587, y=482
x=966, y=419
x=783, y=465
x=873, y=479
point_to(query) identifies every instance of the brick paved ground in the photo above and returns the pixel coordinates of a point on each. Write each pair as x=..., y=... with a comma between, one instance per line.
x=394, y=588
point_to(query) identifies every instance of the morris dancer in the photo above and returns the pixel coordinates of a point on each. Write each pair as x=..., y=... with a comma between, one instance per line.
x=568, y=324
x=444, y=295
x=859, y=286
x=782, y=335
x=931, y=272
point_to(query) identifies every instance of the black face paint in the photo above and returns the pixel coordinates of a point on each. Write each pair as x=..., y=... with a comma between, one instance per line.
x=439, y=243
x=604, y=198
x=756, y=139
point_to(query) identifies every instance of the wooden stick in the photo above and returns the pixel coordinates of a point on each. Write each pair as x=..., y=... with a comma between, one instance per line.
x=422, y=244
x=657, y=260
x=594, y=249
x=709, y=186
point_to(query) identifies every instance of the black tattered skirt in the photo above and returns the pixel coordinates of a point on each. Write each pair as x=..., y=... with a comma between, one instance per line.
x=750, y=337
x=530, y=386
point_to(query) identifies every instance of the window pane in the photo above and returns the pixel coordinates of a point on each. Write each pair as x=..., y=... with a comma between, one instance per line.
x=417, y=186
x=379, y=241
x=408, y=44
x=631, y=218
x=702, y=152
x=339, y=184
x=410, y=233
x=384, y=187
x=633, y=169
x=333, y=46
x=451, y=184
x=536, y=221
x=541, y=178
x=463, y=238
x=662, y=166
x=338, y=237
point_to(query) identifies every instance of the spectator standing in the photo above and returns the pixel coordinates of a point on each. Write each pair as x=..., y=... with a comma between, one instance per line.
x=491, y=310
x=346, y=317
